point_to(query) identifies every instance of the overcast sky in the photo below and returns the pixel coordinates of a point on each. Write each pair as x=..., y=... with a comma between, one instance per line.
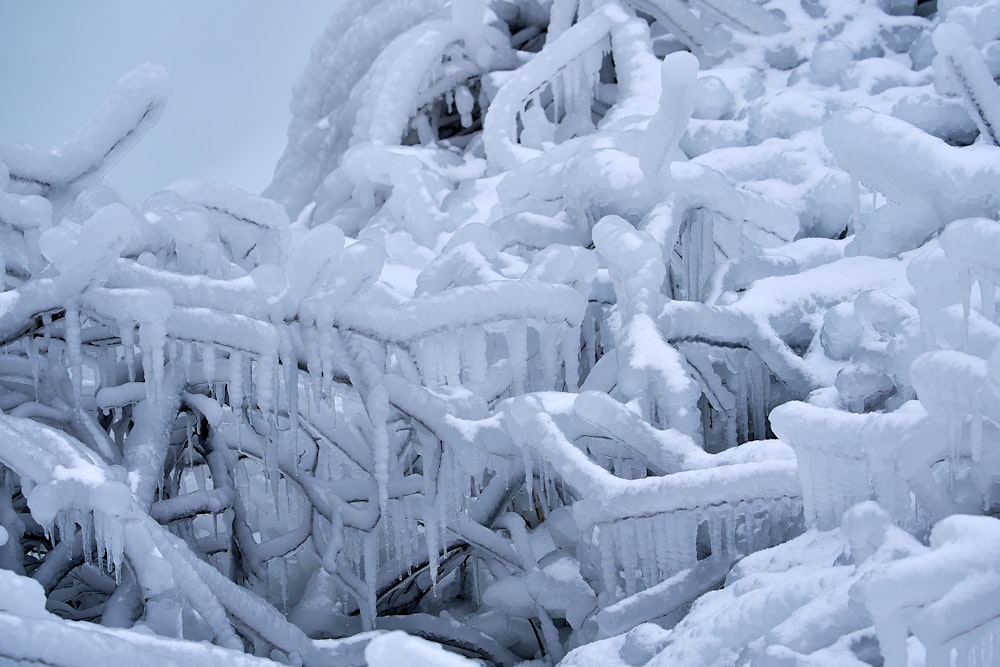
x=231, y=62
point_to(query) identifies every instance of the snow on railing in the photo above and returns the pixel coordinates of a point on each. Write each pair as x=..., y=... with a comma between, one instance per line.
x=587, y=41
x=743, y=513
x=846, y=458
x=648, y=529
x=961, y=185
x=134, y=105
x=322, y=122
x=955, y=610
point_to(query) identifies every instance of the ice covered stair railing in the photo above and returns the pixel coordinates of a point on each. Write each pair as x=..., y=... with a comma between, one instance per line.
x=954, y=612
x=647, y=529
x=67, y=486
x=797, y=602
x=924, y=459
x=236, y=309
x=24, y=620
x=133, y=107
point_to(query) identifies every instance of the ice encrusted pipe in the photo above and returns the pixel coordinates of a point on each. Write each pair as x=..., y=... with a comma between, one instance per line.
x=964, y=66
x=679, y=76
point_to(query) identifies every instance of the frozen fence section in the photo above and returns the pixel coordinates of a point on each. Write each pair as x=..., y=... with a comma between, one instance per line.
x=575, y=58
x=954, y=611
x=570, y=332
x=844, y=459
x=134, y=105
x=643, y=531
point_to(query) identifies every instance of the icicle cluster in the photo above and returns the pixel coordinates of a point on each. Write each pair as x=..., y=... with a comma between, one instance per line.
x=501, y=356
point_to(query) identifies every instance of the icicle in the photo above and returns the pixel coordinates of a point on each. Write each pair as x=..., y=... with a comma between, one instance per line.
x=976, y=436
x=263, y=384
x=474, y=354
x=730, y=437
x=966, y=278
x=279, y=568
x=208, y=363
x=741, y=380
x=74, y=352
x=464, y=103
x=827, y=489
x=715, y=531
x=127, y=332
x=750, y=527
x=397, y=357
x=325, y=336
x=429, y=361
x=451, y=361
x=663, y=532
x=609, y=568
x=376, y=400
x=199, y=472
x=424, y=128
x=548, y=353
x=855, y=206
x=86, y=522
x=759, y=402
x=430, y=454
x=570, y=352
x=589, y=330
x=529, y=473
x=106, y=358
x=273, y=446
x=110, y=537
x=290, y=364
x=954, y=426
x=645, y=551
x=187, y=353
x=36, y=363
x=626, y=547
x=517, y=352
x=683, y=540
x=47, y=330
x=729, y=516
x=442, y=504
x=236, y=381
x=153, y=336
x=314, y=362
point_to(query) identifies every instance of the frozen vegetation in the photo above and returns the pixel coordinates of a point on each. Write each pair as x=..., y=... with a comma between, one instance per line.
x=580, y=332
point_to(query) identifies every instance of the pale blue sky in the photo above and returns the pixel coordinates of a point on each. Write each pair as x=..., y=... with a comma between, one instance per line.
x=232, y=64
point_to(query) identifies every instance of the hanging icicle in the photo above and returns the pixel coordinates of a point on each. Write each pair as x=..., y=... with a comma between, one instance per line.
x=74, y=352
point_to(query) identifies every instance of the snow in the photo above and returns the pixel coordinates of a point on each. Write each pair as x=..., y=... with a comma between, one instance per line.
x=579, y=333
x=397, y=649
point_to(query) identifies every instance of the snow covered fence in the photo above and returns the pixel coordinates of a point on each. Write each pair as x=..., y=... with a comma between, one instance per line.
x=846, y=458
x=649, y=529
x=955, y=610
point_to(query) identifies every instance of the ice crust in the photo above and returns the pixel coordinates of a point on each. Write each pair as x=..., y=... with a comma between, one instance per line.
x=642, y=332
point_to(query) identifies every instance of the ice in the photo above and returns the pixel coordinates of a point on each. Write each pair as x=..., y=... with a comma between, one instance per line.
x=613, y=250
x=959, y=66
x=499, y=136
x=677, y=100
x=134, y=105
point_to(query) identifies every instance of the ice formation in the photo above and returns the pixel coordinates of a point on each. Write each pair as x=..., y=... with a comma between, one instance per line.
x=578, y=332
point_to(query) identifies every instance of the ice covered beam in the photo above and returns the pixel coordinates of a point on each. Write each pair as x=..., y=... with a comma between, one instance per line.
x=134, y=105
x=926, y=181
x=729, y=484
x=493, y=302
x=500, y=125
